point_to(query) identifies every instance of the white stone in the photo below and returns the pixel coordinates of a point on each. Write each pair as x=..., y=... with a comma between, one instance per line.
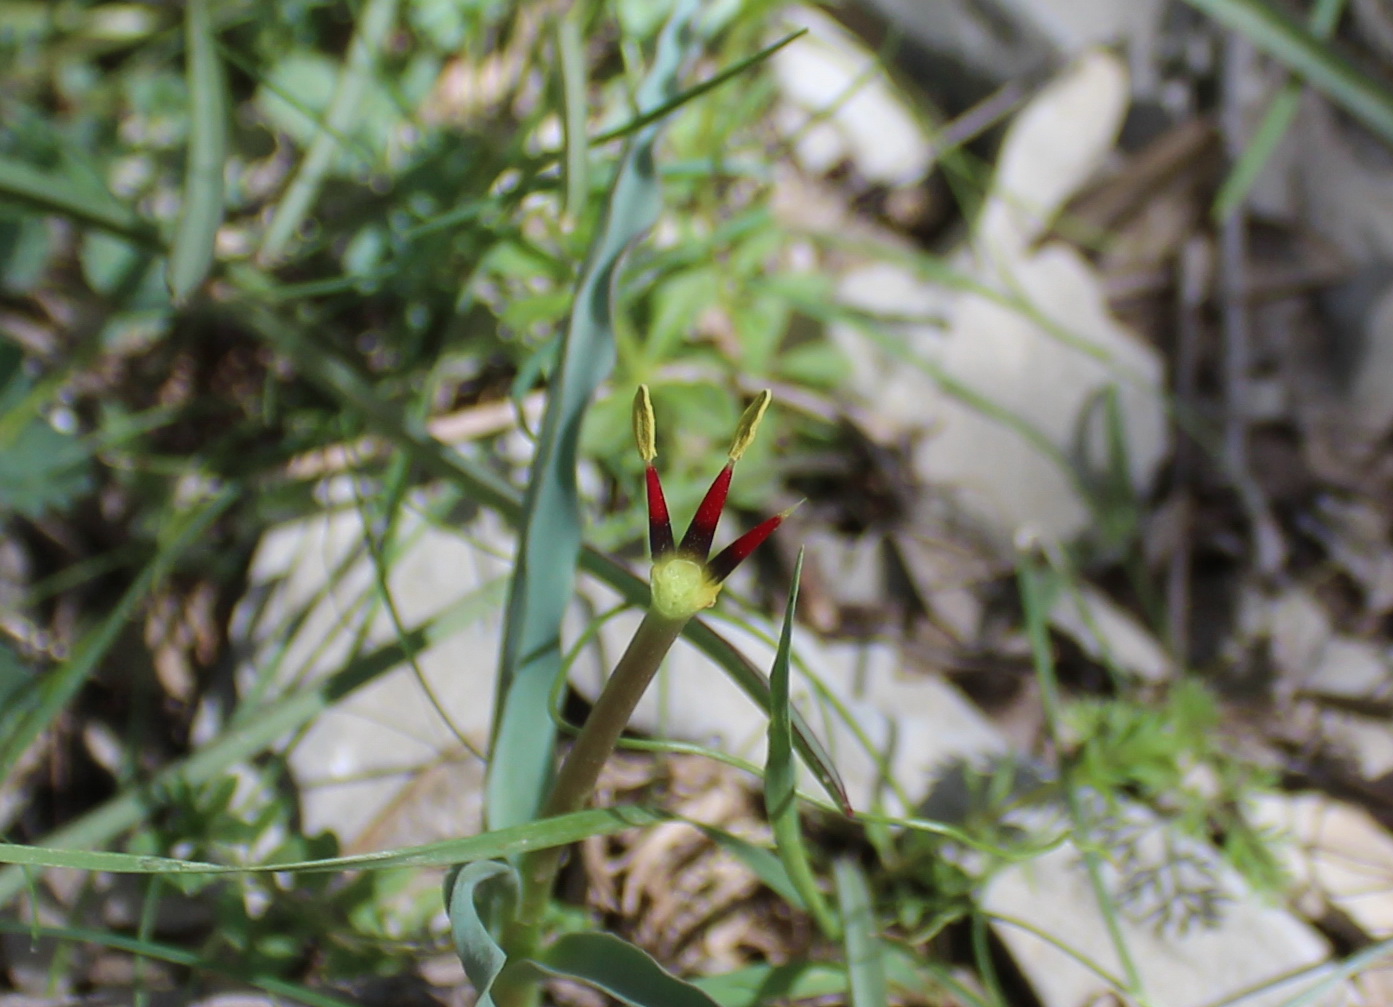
x=1109, y=634
x=1252, y=942
x=842, y=106
x=1338, y=851
x=313, y=598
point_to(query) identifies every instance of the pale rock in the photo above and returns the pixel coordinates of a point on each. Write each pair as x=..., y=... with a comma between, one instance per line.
x=1038, y=377
x=843, y=107
x=1251, y=942
x=1336, y=850
x=1353, y=669
x=1109, y=634
x=1052, y=148
x=851, y=567
x=1299, y=630
x=894, y=376
x=1002, y=361
x=313, y=598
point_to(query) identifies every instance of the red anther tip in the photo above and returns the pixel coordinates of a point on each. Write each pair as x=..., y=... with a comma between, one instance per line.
x=659, y=523
x=697, y=541
x=734, y=554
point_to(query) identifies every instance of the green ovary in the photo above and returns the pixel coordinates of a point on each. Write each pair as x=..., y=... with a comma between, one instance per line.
x=681, y=588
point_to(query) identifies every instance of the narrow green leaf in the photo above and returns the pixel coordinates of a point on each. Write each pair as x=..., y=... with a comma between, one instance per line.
x=1281, y=37
x=47, y=192
x=864, y=961
x=781, y=775
x=550, y=535
x=620, y=969
x=544, y=833
x=481, y=898
x=374, y=25
x=570, y=47
x=652, y=115
x=226, y=965
x=191, y=255
x=765, y=863
x=1275, y=123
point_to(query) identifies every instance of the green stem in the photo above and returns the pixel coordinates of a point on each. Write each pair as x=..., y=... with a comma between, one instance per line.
x=575, y=783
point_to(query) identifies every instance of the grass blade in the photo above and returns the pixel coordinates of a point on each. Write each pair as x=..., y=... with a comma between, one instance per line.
x=544, y=833
x=236, y=971
x=373, y=27
x=49, y=193
x=191, y=255
x=864, y=963
x=781, y=776
x=550, y=535
x=58, y=687
x=652, y=115
x=1275, y=123
x=1329, y=72
x=570, y=47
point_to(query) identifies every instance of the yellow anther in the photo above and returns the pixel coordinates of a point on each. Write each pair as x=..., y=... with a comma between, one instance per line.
x=644, y=427
x=749, y=424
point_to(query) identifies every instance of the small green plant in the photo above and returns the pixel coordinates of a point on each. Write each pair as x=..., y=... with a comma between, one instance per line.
x=488, y=900
x=1170, y=756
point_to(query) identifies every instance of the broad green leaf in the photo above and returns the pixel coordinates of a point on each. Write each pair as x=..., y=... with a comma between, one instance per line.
x=481, y=898
x=40, y=468
x=781, y=775
x=550, y=535
x=620, y=969
x=191, y=255
x=860, y=942
x=24, y=251
x=765, y=984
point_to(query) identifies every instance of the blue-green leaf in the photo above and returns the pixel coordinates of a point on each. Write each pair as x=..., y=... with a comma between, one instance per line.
x=481, y=898
x=620, y=969
x=544, y=575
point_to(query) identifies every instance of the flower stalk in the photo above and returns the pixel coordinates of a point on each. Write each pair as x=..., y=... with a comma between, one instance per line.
x=683, y=582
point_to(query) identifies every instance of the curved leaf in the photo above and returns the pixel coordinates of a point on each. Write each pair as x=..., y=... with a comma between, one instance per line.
x=619, y=969
x=481, y=897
